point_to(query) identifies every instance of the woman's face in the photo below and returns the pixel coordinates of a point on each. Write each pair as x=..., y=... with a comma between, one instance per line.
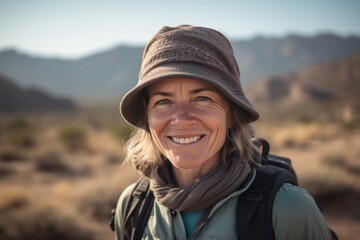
x=188, y=121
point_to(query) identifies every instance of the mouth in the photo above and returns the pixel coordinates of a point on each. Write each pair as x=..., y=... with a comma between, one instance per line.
x=186, y=140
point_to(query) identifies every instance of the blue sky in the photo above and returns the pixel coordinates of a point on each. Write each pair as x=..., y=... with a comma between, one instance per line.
x=76, y=28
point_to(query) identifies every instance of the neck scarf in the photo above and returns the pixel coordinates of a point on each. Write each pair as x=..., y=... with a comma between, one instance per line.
x=203, y=192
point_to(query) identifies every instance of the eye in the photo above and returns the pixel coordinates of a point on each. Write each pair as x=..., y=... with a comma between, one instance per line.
x=162, y=102
x=202, y=99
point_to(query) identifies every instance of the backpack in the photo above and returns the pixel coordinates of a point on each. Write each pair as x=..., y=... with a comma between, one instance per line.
x=256, y=202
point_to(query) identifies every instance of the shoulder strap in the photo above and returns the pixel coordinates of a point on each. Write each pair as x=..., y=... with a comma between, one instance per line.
x=137, y=211
x=254, y=208
x=144, y=206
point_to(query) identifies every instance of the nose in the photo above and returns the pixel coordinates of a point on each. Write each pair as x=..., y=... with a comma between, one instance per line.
x=183, y=117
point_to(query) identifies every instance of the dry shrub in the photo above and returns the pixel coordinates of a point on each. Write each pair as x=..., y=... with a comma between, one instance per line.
x=12, y=197
x=74, y=138
x=297, y=134
x=122, y=131
x=99, y=202
x=353, y=125
x=113, y=159
x=341, y=161
x=332, y=174
x=42, y=220
x=20, y=133
x=99, y=197
x=24, y=138
x=6, y=170
x=11, y=156
x=52, y=162
x=343, y=154
x=323, y=184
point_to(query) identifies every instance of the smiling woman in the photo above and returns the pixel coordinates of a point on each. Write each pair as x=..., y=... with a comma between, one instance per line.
x=188, y=120
x=193, y=143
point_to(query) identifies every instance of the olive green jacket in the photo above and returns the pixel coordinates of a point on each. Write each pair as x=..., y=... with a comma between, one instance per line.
x=295, y=216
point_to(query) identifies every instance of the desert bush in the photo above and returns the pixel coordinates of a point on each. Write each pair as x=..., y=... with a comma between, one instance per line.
x=322, y=186
x=21, y=133
x=302, y=118
x=74, y=138
x=5, y=171
x=12, y=197
x=122, y=131
x=335, y=160
x=24, y=138
x=98, y=198
x=43, y=220
x=298, y=134
x=52, y=162
x=11, y=156
x=99, y=202
x=113, y=159
x=352, y=125
x=18, y=123
x=94, y=123
x=341, y=161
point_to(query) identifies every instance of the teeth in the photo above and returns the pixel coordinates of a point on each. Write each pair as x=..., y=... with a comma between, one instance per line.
x=185, y=140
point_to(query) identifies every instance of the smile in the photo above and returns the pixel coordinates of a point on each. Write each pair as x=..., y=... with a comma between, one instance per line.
x=185, y=140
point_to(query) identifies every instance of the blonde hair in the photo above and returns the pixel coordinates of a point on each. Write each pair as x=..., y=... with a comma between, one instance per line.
x=145, y=156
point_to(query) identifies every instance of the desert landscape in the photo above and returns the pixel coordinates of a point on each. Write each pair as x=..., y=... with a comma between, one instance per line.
x=61, y=173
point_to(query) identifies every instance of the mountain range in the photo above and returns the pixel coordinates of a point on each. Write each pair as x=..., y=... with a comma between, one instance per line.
x=16, y=99
x=328, y=89
x=109, y=74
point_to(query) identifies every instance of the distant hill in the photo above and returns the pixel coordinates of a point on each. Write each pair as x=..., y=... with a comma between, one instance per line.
x=16, y=99
x=102, y=75
x=262, y=57
x=111, y=73
x=332, y=87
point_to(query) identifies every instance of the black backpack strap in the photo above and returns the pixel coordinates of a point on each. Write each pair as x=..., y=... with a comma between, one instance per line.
x=137, y=211
x=272, y=159
x=254, y=208
x=141, y=214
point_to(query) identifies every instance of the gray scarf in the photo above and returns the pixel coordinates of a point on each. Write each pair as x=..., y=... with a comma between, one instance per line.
x=202, y=193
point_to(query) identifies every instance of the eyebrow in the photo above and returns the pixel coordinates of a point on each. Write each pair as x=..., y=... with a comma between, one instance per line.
x=192, y=92
x=161, y=93
x=198, y=90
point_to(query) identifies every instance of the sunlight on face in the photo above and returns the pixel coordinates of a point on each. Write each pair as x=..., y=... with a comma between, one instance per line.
x=188, y=121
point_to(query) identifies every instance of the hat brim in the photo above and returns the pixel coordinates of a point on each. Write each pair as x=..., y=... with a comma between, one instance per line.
x=132, y=105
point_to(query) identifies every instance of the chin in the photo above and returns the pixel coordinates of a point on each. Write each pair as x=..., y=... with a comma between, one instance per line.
x=184, y=163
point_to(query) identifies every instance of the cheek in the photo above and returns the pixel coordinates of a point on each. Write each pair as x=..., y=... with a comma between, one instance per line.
x=157, y=121
x=217, y=118
x=219, y=122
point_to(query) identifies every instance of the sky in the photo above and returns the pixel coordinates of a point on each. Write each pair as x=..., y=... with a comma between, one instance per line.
x=76, y=28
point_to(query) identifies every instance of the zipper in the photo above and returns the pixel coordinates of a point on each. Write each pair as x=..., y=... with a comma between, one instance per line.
x=196, y=231
x=203, y=220
x=173, y=213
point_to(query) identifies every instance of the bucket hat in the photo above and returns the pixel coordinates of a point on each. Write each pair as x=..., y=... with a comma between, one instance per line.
x=189, y=52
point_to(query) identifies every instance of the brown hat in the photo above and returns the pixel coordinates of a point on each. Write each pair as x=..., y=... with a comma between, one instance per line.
x=189, y=52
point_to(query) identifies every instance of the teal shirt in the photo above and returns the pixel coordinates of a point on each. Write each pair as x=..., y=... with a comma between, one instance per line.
x=190, y=220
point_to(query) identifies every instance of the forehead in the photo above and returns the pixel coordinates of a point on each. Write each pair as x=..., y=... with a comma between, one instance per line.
x=171, y=84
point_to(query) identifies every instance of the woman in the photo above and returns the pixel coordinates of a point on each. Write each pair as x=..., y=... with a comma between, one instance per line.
x=193, y=141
